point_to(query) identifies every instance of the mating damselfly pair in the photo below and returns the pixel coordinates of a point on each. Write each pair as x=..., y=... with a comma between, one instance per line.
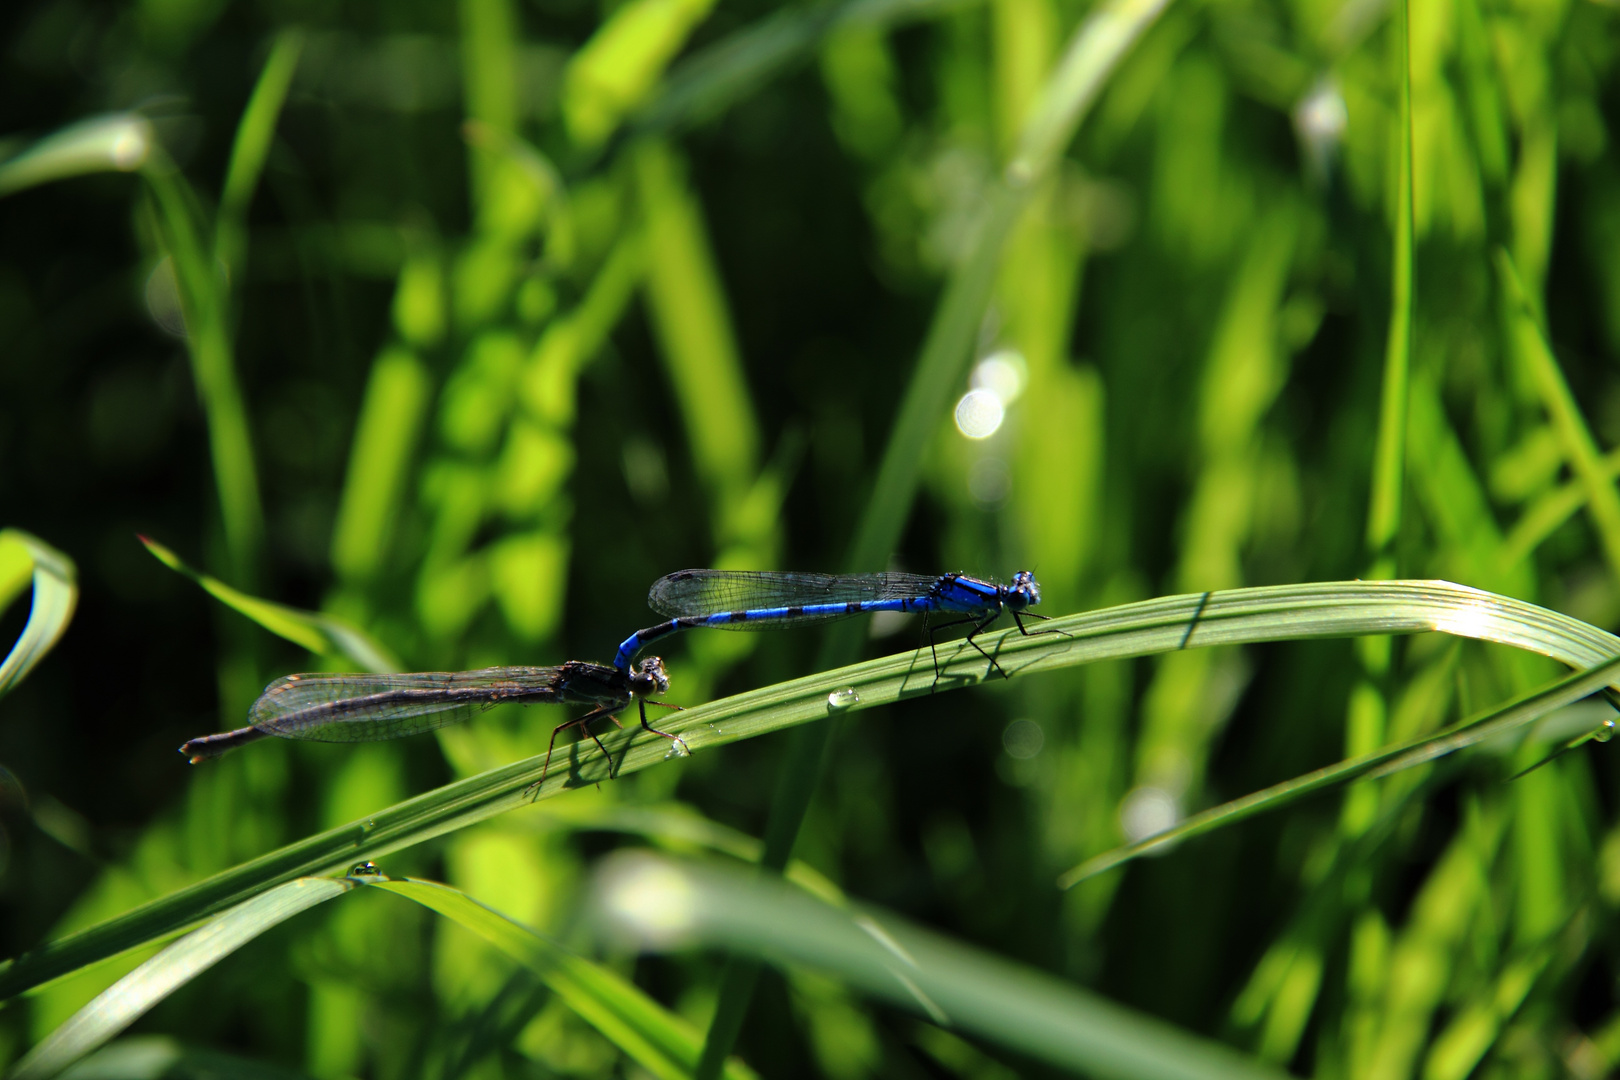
x=368, y=708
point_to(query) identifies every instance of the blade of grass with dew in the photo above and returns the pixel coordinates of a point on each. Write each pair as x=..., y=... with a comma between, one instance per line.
x=252, y=146
x=118, y=142
x=132, y=996
x=204, y=304
x=662, y=905
x=1529, y=344
x=651, y=1036
x=321, y=634
x=25, y=559
x=1235, y=617
x=1383, y=762
x=1094, y=51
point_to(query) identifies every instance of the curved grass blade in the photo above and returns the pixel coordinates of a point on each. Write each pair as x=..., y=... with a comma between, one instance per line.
x=25, y=558
x=1528, y=341
x=129, y=998
x=1231, y=617
x=645, y=1031
x=252, y=146
x=118, y=142
x=660, y=904
x=1382, y=762
x=318, y=633
x=1547, y=514
x=204, y=305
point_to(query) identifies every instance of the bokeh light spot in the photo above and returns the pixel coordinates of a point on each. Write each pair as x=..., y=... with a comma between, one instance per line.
x=1147, y=811
x=979, y=414
x=1004, y=373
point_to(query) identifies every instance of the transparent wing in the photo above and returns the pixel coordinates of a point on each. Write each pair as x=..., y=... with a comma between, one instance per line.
x=369, y=708
x=707, y=592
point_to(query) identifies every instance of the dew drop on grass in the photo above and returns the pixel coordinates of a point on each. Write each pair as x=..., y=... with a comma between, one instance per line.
x=1605, y=732
x=365, y=869
x=843, y=699
x=677, y=749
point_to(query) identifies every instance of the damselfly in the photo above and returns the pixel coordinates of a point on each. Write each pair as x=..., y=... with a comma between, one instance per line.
x=369, y=708
x=763, y=599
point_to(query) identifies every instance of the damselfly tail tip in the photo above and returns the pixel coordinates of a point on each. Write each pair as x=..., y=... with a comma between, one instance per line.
x=204, y=747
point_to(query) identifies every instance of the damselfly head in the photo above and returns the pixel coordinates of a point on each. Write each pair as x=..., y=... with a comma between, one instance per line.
x=649, y=677
x=1023, y=592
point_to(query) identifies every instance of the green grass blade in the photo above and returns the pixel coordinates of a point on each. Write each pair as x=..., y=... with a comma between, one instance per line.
x=25, y=558
x=1382, y=762
x=203, y=302
x=1529, y=344
x=616, y=69
x=694, y=329
x=1094, y=51
x=661, y=904
x=130, y=997
x=322, y=634
x=1234, y=617
x=660, y=1042
x=1389, y=455
x=1548, y=513
x=157, y=1057
x=252, y=146
x=726, y=72
x=385, y=437
x=120, y=142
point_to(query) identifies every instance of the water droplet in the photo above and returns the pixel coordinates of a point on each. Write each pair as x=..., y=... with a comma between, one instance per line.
x=678, y=748
x=843, y=699
x=365, y=869
x=1605, y=731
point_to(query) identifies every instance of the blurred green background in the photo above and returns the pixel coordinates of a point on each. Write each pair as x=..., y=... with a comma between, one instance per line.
x=523, y=303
